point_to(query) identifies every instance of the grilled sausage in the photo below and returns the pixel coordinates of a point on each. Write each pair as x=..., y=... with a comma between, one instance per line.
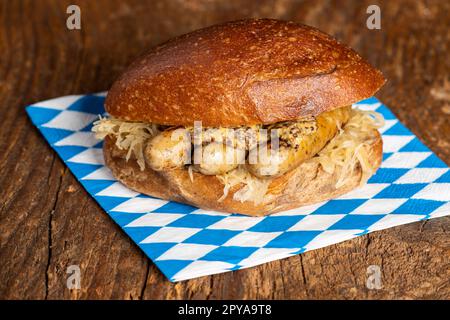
x=298, y=142
x=219, y=158
x=244, y=137
x=169, y=149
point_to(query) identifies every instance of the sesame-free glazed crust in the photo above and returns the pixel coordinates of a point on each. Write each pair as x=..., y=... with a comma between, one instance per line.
x=243, y=72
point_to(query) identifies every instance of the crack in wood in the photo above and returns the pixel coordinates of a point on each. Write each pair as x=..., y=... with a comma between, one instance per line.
x=367, y=245
x=211, y=286
x=144, y=286
x=50, y=220
x=422, y=226
x=32, y=243
x=305, y=282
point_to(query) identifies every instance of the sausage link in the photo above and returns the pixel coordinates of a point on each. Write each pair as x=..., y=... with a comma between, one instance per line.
x=219, y=158
x=298, y=142
x=169, y=149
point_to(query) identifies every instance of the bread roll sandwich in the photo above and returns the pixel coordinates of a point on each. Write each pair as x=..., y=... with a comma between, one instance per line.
x=184, y=121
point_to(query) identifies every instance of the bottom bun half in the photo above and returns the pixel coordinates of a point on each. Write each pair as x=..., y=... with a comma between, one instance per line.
x=305, y=185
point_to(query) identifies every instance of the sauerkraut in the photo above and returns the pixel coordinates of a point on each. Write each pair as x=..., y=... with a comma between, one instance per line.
x=349, y=148
x=130, y=136
x=345, y=151
x=253, y=189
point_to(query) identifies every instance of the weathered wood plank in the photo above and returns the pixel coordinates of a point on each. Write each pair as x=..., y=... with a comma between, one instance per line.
x=48, y=222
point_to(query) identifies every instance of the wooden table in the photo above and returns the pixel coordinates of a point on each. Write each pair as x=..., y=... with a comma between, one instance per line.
x=48, y=221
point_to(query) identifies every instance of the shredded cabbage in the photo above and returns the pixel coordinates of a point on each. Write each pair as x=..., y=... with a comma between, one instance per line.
x=254, y=188
x=129, y=135
x=191, y=173
x=348, y=148
x=345, y=151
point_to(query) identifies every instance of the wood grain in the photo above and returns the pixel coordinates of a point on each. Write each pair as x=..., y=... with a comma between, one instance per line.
x=48, y=222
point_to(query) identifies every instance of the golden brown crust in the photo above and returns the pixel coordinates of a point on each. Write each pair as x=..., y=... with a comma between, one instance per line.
x=243, y=72
x=307, y=184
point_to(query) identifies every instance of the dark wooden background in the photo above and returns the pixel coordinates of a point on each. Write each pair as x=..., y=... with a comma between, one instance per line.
x=48, y=222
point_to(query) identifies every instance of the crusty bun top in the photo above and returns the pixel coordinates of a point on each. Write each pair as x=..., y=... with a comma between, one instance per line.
x=242, y=73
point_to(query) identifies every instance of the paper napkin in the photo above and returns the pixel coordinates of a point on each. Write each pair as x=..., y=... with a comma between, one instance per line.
x=186, y=242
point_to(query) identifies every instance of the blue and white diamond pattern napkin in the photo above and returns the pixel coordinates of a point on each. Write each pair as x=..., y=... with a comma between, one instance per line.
x=186, y=242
